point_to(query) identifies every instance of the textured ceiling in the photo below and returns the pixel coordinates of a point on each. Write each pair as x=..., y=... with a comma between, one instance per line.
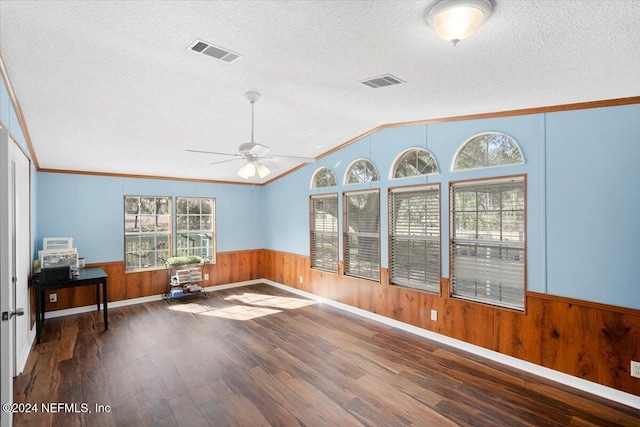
x=111, y=86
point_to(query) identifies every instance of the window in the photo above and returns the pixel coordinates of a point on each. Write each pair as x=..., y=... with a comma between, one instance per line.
x=362, y=234
x=487, y=150
x=415, y=162
x=414, y=224
x=147, y=229
x=487, y=241
x=324, y=177
x=195, y=226
x=361, y=171
x=324, y=232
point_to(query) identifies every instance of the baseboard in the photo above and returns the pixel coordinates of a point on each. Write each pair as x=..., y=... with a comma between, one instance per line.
x=559, y=377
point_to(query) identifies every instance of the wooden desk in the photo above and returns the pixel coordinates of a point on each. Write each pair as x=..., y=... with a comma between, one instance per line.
x=88, y=276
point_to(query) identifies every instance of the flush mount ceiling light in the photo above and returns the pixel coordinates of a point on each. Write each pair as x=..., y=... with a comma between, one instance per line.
x=455, y=20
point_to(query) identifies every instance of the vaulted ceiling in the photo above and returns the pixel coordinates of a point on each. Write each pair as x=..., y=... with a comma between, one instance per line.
x=112, y=86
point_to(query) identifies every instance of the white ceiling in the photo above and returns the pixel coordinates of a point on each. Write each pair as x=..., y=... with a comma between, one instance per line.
x=111, y=86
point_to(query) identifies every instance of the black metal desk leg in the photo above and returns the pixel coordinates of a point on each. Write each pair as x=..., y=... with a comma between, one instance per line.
x=98, y=295
x=39, y=311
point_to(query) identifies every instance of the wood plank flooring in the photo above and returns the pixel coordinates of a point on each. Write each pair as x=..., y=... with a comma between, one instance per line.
x=258, y=356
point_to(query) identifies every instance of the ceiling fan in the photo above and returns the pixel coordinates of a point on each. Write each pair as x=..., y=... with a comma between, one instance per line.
x=253, y=153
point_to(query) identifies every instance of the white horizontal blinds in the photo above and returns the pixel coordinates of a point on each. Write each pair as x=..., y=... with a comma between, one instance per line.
x=324, y=232
x=147, y=230
x=415, y=238
x=487, y=247
x=362, y=234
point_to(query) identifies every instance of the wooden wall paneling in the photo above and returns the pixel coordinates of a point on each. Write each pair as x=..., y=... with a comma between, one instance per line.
x=212, y=270
x=223, y=269
x=563, y=340
x=158, y=282
x=116, y=280
x=381, y=299
x=277, y=259
x=518, y=335
x=138, y=284
x=618, y=342
x=303, y=264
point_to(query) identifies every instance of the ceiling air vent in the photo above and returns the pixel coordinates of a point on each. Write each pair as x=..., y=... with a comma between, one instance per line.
x=214, y=51
x=386, y=80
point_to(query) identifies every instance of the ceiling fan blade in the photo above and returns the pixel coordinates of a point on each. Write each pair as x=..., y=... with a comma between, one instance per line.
x=226, y=161
x=259, y=150
x=214, y=152
x=293, y=158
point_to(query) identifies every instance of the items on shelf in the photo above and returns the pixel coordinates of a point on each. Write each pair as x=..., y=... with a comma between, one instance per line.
x=58, y=252
x=183, y=280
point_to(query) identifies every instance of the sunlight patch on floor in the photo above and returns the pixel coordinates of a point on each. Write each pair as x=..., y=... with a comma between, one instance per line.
x=251, y=306
x=285, y=303
x=241, y=312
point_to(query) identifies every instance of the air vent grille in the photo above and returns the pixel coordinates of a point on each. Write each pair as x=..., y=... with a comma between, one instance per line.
x=382, y=81
x=214, y=51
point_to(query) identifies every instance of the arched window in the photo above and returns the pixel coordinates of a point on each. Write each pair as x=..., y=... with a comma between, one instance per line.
x=488, y=150
x=415, y=162
x=361, y=170
x=324, y=177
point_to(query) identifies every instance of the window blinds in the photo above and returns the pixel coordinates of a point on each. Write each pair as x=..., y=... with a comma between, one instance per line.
x=362, y=234
x=324, y=232
x=487, y=245
x=414, y=224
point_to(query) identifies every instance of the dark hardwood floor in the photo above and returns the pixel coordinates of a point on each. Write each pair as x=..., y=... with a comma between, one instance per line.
x=257, y=356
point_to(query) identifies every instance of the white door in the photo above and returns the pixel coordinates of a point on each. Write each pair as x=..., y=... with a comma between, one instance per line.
x=21, y=257
x=14, y=266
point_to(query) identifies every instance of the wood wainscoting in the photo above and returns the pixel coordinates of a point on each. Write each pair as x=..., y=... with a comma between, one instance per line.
x=595, y=342
x=230, y=267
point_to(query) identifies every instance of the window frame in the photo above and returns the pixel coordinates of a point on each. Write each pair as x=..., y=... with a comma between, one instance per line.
x=452, y=241
x=141, y=234
x=313, y=232
x=213, y=227
x=436, y=287
x=347, y=174
x=345, y=237
x=314, y=178
x=466, y=143
x=399, y=158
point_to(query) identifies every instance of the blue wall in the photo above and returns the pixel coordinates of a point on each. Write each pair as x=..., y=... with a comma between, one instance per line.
x=90, y=209
x=583, y=195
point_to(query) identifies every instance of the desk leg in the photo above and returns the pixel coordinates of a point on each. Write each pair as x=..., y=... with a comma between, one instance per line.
x=105, y=298
x=38, y=314
x=98, y=295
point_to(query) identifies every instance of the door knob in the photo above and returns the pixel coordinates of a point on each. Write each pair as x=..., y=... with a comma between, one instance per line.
x=6, y=315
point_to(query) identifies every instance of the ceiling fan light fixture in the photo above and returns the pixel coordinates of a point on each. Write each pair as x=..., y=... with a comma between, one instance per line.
x=262, y=170
x=247, y=171
x=455, y=20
